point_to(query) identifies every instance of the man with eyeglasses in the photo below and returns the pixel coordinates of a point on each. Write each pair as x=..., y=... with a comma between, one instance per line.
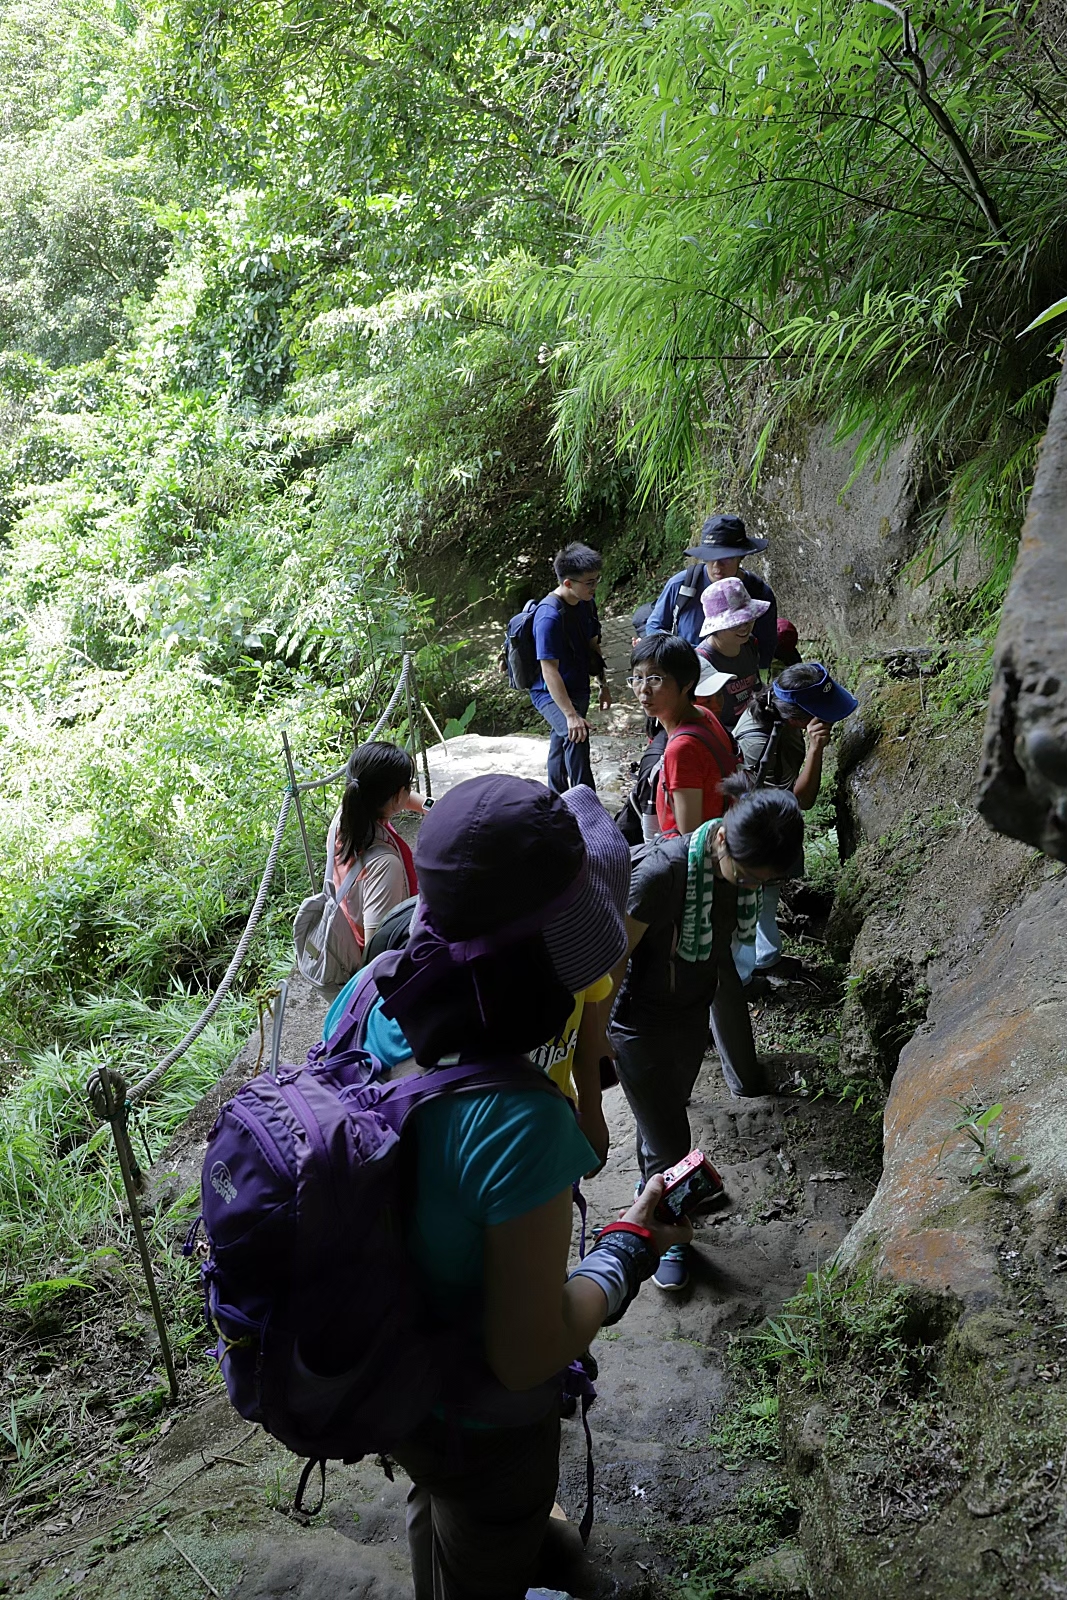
x=566, y=629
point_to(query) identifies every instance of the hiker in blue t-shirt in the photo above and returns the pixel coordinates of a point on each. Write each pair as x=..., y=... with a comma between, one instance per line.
x=567, y=640
x=491, y=1205
x=723, y=546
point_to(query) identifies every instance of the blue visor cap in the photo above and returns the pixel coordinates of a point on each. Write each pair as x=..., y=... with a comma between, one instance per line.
x=824, y=699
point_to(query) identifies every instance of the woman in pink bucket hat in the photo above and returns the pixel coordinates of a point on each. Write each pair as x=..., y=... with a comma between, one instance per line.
x=726, y=642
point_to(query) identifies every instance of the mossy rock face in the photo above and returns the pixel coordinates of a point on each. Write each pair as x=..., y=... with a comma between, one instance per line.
x=925, y=1434
x=943, y=1481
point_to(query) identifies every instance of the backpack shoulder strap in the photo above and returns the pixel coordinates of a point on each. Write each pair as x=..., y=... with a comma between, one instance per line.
x=362, y=1004
x=501, y=1072
x=351, y=877
x=331, y=847
x=698, y=730
x=770, y=751
x=691, y=588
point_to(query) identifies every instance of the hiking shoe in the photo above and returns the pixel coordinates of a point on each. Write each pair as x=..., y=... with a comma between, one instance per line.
x=673, y=1270
x=782, y=971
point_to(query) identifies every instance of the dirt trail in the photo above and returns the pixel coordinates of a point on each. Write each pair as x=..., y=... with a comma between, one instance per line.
x=219, y=1489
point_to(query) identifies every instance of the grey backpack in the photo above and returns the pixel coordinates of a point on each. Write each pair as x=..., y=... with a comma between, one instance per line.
x=327, y=951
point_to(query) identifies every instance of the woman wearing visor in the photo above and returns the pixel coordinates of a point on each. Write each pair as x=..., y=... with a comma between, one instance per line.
x=783, y=735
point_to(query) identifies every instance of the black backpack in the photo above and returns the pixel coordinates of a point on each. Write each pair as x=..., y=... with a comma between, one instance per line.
x=393, y=930
x=518, y=654
x=641, y=801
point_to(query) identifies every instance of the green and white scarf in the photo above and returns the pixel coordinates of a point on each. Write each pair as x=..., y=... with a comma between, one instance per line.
x=694, y=943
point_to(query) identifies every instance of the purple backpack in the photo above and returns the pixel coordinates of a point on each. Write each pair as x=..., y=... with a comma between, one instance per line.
x=324, y=1336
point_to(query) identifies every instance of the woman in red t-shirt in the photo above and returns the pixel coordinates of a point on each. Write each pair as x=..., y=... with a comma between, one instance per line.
x=665, y=673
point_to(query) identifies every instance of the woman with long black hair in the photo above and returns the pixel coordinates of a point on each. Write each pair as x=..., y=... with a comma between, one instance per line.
x=364, y=850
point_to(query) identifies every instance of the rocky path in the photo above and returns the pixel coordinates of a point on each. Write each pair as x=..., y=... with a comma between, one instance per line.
x=210, y=1515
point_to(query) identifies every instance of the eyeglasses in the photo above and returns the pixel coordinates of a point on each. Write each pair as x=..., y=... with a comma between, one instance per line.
x=653, y=682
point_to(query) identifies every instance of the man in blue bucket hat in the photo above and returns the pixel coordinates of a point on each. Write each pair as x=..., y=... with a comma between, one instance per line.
x=782, y=737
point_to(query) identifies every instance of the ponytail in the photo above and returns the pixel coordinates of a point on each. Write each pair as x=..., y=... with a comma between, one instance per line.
x=762, y=709
x=374, y=774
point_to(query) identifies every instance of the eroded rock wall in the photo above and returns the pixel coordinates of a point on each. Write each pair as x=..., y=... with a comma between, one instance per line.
x=846, y=555
x=1024, y=765
x=958, y=999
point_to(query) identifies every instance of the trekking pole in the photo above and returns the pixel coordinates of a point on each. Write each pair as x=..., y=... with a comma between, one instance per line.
x=294, y=790
x=107, y=1096
x=419, y=735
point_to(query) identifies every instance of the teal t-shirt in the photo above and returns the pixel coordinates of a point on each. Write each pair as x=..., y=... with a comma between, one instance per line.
x=484, y=1159
x=382, y=1036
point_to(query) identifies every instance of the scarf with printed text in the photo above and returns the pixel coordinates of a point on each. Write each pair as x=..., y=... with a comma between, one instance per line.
x=694, y=943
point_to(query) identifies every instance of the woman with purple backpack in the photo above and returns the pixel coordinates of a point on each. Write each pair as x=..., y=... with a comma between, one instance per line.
x=522, y=901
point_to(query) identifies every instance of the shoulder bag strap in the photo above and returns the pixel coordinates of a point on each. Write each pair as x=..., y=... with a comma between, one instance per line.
x=687, y=591
x=770, y=751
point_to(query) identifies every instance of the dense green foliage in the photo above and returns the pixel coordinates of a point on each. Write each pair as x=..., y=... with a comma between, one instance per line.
x=830, y=206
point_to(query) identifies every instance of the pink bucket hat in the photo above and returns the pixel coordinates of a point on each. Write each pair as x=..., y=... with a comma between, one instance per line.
x=728, y=604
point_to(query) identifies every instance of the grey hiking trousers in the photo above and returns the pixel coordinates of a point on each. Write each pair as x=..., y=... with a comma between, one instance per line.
x=657, y=1069
x=478, y=1507
x=731, y=1027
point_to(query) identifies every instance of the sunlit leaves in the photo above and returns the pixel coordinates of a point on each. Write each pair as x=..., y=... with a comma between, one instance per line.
x=782, y=219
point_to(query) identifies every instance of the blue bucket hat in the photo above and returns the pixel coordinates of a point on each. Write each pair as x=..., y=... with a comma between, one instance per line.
x=823, y=699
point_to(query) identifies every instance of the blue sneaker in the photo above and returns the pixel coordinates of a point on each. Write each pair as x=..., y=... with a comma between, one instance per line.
x=673, y=1270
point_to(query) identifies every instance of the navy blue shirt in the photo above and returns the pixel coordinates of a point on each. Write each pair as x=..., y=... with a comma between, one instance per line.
x=691, y=616
x=563, y=633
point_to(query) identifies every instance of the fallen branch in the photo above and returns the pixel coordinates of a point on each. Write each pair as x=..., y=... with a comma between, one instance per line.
x=190, y=1562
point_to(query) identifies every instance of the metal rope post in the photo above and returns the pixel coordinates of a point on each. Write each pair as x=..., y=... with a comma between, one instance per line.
x=420, y=737
x=295, y=792
x=107, y=1094
x=413, y=738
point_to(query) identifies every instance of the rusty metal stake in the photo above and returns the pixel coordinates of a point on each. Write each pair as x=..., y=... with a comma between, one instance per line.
x=107, y=1096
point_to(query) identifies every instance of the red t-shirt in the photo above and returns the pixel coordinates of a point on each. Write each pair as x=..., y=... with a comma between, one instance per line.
x=696, y=757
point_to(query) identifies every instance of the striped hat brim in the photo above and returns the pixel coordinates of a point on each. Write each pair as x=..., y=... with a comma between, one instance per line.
x=589, y=938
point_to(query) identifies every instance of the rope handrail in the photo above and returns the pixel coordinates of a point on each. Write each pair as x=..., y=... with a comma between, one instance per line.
x=151, y=1078
x=335, y=777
